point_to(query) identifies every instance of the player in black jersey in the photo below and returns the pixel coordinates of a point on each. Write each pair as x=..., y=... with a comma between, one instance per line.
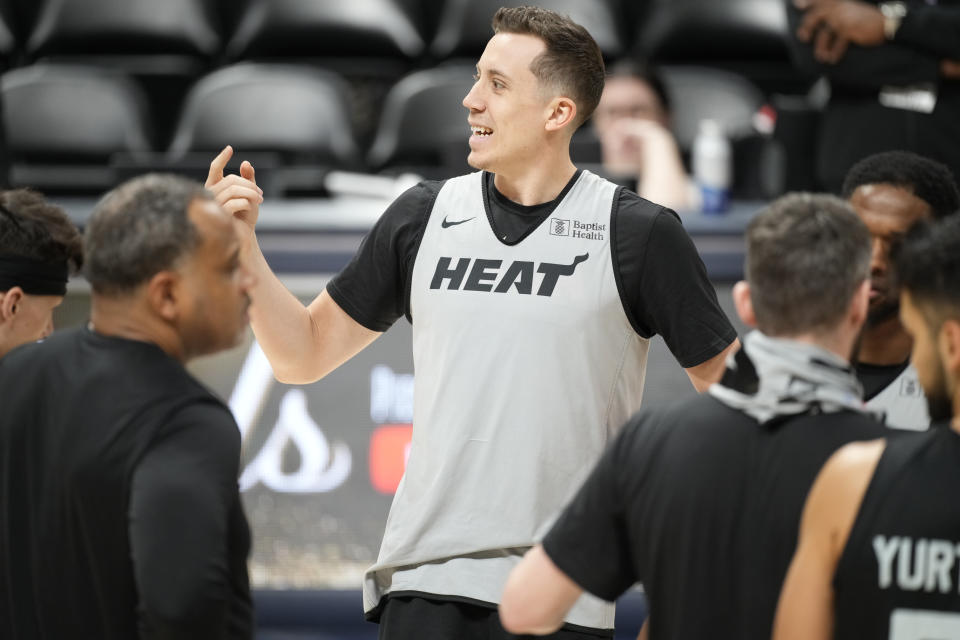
x=879, y=549
x=701, y=501
x=891, y=191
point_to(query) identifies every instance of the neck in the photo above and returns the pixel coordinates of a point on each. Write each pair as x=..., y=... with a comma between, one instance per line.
x=129, y=318
x=538, y=180
x=885, y=343
x=837, y=343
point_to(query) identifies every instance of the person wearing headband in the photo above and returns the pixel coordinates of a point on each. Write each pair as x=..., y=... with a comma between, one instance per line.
x=39, y=248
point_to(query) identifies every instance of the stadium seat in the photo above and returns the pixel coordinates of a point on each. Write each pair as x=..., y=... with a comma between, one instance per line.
x=321, y=28
x=163, y=45
x=102, y=27
x=63, y=124
x=291, y=115
x=698, y=92
x=747, y=36
x=698, y=29
x=465, y=24
x=424, y=123
x=7, y=41
x=732, y=100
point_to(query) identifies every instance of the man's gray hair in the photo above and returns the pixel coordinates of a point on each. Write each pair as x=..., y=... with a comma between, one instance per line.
x=139, y=229
x=806, y=256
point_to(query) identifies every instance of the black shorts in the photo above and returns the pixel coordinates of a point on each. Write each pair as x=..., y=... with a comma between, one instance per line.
x=415, y=618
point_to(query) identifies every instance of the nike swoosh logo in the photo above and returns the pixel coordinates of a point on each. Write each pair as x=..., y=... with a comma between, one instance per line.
x=449, y=223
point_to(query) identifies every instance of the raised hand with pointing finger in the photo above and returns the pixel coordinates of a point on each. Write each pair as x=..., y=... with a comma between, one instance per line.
x=239, y=195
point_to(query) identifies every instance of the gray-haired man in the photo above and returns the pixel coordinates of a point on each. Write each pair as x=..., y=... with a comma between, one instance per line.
x=119, y=510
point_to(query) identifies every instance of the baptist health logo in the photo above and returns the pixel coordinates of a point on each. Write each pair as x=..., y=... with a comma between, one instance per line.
x=577, y=229
x=324, y=466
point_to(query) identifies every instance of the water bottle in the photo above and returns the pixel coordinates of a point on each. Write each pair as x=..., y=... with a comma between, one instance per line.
x=712, y=166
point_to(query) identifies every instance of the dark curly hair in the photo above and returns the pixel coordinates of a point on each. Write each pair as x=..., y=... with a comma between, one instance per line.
x=927, y=179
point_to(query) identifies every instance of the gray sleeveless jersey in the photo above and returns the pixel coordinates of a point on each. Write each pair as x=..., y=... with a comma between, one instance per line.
x=903, y=403
x=526, y=364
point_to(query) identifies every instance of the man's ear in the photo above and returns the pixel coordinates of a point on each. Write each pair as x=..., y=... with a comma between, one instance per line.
x=562, y=113
x=949, y=345
x=744, y=304
x=164, y=295
x=9, y=303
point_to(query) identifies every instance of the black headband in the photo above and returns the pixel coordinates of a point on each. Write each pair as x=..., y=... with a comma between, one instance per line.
x=35, y=277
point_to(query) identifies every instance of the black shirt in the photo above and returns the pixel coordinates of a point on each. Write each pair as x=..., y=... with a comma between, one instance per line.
x=120, y=515
x=663, y=282
x=702, y=505
x=901, y=558
x=877, y=377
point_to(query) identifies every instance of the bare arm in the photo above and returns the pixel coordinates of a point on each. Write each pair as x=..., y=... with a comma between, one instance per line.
x=706, y=373
x=806, y=606
x=302, y=343
x=537, y=596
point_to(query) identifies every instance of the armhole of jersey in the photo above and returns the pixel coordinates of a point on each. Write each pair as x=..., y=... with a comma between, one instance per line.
x=891, y=461
x=408, y=285
x=615, y=262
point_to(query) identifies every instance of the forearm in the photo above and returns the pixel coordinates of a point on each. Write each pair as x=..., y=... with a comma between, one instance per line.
x=281, y=324
x=664, y=180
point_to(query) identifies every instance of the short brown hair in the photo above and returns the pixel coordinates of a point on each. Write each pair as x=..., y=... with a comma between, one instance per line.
x=572, y=63
x=806, y=256
x=32, y=227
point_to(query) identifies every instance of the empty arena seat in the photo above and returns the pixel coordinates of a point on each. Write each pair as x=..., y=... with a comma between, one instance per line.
x=311, y=28
x=732, y=100
x=63, y=123
x=84, y=27
x=424, y=123
x=746, y=36
x=298, y=112
x=703, y=29
x=464, y=27
x=163, y=45
x=698, y=92
x=7, y=41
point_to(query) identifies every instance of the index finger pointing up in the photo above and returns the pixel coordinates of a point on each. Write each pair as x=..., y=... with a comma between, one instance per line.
x=218, y=165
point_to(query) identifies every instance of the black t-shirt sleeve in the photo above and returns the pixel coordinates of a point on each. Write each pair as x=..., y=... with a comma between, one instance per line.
x=374, y=288
x=589, y=541
x=663, y=282
x=183, y=498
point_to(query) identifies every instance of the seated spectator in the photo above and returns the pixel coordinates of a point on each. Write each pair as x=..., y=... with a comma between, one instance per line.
x=39, y=247
x=632, y=123
x=120, y=515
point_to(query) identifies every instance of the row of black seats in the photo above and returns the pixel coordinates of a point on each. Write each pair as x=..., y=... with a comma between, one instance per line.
x=166, y=46
x=81, y=129
x=243, y=29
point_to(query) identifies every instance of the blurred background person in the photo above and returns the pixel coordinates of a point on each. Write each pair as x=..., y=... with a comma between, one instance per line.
x=891, y=191
x=893, y=77
x=39, y=248
x=632, y=123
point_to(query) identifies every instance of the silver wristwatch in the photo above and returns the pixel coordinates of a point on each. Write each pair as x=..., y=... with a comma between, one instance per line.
x=893, y=14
